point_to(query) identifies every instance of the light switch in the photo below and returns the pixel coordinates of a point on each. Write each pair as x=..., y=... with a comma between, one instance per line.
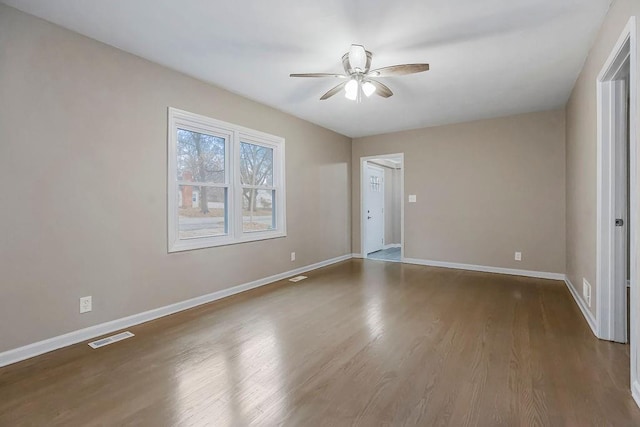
x=412, y=198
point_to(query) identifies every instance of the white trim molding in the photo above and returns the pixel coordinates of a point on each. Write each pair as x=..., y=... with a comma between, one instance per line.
x=591, y=320
x=45, y=346
x=635, y=392
x=485, y=269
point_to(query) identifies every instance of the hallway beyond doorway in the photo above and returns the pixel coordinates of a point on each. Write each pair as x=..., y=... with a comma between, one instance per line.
x=391, y=254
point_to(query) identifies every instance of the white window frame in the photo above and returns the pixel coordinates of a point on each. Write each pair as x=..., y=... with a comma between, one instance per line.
x=234, y=135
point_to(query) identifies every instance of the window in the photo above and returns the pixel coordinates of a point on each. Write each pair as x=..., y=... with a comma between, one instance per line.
x=226, y=183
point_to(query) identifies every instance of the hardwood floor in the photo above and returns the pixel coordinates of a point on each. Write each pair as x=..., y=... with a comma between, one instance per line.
x=358, y=343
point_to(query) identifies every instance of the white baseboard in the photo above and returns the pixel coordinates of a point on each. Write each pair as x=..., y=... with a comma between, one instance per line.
x=45, y=346
x=486, y=269
x=357, y=256
x=635, y=392
x=591, y=321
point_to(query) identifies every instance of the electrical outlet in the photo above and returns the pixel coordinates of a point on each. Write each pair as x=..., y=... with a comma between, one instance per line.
x=85, y=304
x=412, y=198
x=518, y=256
x=293, y=256
x=586, y=291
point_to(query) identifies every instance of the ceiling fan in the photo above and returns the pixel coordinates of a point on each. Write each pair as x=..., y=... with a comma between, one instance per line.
x=359, y=77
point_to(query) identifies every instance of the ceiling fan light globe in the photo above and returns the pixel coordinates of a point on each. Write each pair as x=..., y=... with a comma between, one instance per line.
x=368, y=88
x=357, y=57
x=351, y=90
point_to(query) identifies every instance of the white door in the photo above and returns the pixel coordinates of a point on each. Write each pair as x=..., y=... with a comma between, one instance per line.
x=374, y=209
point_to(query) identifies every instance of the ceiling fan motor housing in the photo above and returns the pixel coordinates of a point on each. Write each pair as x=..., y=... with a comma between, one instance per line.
x=347, y=65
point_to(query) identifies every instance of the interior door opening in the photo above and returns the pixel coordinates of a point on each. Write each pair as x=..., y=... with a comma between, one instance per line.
x=617, y=199
x=619, y=138
x=382, y=208
x=617, y=203
x=627, y=199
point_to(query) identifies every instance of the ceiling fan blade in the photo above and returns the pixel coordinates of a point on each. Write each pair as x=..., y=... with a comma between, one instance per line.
x=339, y=76
x=381, y=89
x=333, y=91
x=398, y=70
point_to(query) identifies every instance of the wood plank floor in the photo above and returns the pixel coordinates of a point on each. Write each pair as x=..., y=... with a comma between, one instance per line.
x=358, y=343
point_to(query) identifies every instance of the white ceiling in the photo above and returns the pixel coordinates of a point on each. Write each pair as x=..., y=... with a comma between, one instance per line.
x=488, y=58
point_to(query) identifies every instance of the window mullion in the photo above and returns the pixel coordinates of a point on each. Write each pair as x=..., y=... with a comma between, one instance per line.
x=229, y=185
x=237, y=186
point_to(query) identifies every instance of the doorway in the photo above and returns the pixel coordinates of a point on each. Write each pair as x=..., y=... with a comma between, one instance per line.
x=617, y=195
x=374, y=208
x=381, y=207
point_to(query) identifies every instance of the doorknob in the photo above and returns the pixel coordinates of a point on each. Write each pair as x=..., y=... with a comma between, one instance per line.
x=369, y=217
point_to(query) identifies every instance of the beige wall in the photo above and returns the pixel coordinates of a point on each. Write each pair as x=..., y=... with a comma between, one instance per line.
x=582, y=158
x=484, y=190
x=83, y=137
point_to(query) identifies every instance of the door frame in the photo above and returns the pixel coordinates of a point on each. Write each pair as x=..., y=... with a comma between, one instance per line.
x=610, y=319
x=363, y=167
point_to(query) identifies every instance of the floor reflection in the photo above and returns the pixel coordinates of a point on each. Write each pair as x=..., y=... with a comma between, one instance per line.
x=239, y=385
x=262, y=393
x=205, y=387
x=374, y=317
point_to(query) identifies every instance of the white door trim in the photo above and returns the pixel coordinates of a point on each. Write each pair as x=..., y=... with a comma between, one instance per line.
x=363, y=164
x=610, y=324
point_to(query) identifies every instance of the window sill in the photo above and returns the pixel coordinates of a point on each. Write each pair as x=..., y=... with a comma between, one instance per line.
x=213, y=242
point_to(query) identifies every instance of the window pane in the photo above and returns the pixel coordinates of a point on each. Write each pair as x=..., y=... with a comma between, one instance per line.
x=200, y=157
x=258, y=209
x=202, y=211
x=256, y=164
